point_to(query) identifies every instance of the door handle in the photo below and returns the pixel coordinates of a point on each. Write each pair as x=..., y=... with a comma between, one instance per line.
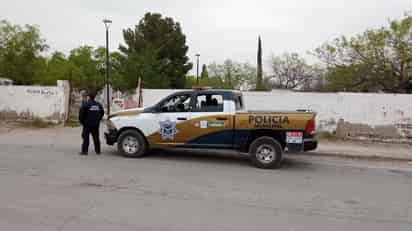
x=181, y=118
x=221, y=118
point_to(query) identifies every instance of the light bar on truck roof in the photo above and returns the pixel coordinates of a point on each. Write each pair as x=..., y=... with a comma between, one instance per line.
x=200, y=87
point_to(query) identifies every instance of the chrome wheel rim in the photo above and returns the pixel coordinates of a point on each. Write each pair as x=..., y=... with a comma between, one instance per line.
x=265, y=153
x=130, y=145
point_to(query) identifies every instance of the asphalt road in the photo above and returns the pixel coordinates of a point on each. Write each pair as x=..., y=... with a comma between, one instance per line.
x=45, y=185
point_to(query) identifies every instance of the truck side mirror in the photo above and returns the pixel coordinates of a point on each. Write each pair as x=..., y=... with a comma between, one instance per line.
x=155, y=109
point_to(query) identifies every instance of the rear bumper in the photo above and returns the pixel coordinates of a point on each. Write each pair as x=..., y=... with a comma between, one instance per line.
x=111, y=136
x=310, y=144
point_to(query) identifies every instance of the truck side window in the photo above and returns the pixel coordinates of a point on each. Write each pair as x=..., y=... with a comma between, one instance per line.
x=177, y=103
x=209, y=103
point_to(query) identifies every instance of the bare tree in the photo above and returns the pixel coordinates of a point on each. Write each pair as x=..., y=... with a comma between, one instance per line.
x=289, y=71
x=233, y=75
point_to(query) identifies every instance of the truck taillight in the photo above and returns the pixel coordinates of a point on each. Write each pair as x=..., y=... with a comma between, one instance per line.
x=310, y=127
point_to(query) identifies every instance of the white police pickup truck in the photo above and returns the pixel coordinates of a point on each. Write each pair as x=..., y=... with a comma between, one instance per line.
x=212, y=119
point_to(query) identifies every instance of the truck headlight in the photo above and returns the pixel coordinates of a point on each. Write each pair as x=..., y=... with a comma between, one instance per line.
x=110, y=125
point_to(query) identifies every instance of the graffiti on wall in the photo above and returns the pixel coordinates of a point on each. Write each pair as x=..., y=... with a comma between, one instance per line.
x=130, y=103
x=47, y=92
x=405, y=128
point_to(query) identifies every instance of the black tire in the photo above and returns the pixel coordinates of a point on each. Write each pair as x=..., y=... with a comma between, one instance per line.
x=265, y=152
x=130, y=150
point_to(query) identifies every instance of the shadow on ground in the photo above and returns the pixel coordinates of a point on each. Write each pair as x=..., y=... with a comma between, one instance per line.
x=223, y=158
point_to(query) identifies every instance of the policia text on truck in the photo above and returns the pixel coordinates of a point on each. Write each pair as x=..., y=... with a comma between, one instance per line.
x=212, y=119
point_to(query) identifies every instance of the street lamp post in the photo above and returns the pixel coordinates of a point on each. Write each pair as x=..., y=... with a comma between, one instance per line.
x=197, y=69
x=107, y=23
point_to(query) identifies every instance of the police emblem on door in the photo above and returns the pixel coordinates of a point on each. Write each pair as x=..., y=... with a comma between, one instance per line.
x=168, y=129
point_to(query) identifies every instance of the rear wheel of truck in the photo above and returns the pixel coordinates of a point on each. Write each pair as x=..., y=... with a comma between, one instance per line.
x=131, y=144
x=265, y=152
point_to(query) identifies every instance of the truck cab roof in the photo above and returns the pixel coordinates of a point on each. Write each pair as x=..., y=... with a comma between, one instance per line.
x=227, y=94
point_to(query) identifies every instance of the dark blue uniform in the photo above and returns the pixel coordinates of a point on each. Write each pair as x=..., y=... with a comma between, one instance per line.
x=90, y=115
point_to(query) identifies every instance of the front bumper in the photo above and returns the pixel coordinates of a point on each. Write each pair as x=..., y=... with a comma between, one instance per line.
x=111, y=136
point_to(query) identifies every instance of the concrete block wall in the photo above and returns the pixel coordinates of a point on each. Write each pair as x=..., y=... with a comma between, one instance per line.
x=384, y=116
x=29, y=102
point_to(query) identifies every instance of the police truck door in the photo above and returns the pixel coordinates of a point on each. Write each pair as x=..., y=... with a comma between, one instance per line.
x=173, y=120
x=212, y=122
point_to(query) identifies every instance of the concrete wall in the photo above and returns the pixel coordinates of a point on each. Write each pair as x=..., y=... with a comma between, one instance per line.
x=30, y=102
x=382, y=116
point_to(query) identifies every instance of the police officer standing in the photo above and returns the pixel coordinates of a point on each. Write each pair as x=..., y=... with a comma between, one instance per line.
x=90, y=115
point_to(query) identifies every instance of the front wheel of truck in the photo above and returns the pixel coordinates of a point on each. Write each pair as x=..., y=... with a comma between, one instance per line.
x=265, y=152
x=131, y=144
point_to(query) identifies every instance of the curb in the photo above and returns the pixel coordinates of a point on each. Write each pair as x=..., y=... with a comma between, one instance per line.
x=360, y=157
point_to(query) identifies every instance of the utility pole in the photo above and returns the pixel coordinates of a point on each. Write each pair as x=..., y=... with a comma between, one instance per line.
x=197, y=69
x=107, y=23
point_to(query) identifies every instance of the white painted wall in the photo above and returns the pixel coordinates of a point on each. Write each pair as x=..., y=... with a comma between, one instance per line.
x=50, y=103
x=369, y=109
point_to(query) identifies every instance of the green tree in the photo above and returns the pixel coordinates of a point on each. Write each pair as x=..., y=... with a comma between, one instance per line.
x=84, y=67
x=20, y=49
x=116, y=72
x=57, y=68
x=259, y=78
x=156, y=51
x=204, y=74
x=376, y=60
x=147, y=66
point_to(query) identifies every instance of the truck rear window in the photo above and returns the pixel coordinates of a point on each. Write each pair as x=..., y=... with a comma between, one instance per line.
x=209, y=103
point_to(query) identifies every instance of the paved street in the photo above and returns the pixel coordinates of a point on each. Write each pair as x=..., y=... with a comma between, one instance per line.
x=46, y=185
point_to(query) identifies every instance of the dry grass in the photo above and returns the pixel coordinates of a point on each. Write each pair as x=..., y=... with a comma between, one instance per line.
x=327, y=136
x=40, y=123
x=72, y=123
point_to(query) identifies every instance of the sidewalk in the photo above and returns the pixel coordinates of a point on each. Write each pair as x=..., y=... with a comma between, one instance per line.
x=364, y=150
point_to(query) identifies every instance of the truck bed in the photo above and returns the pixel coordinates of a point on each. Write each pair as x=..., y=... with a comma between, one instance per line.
x=278, y=120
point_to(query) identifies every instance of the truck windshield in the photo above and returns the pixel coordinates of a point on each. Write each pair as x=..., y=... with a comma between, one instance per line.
x=178, y=103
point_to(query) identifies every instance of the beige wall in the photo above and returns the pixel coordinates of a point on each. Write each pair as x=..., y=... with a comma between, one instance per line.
x=29, y=102
x=348, y=114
